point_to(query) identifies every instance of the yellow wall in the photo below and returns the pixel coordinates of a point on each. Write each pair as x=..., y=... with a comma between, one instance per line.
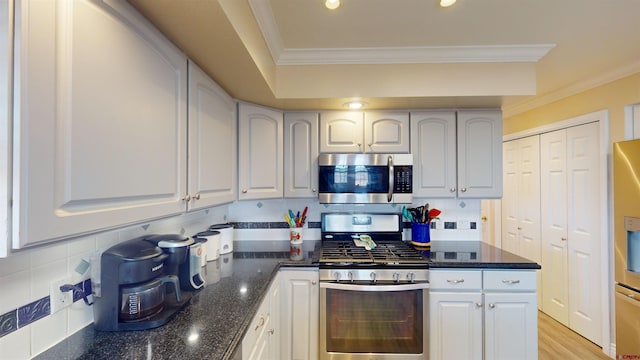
x=613, y=97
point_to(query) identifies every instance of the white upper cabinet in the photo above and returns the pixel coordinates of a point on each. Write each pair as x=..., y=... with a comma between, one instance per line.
x=341, y=131
x=100, y=120
x=260, y=152
x=212, y=178
x=457, y=154
x=5, y=121
x=301, y=155
x=386, y=131
x=433, y=145
x=371, y=131
x=480, y=154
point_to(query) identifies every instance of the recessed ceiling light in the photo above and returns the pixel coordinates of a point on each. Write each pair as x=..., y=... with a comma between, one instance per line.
x=445, y=3
x=332, y=4
x=355, y=105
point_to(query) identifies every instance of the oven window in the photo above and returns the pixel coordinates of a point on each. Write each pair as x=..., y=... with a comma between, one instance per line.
x=376, y=322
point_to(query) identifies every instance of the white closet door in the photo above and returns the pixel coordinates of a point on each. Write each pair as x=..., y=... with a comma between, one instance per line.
x=510, y=203
x=584, y=230
x=529, y=197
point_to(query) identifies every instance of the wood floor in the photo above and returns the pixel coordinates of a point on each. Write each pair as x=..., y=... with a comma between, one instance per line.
x=555, y=341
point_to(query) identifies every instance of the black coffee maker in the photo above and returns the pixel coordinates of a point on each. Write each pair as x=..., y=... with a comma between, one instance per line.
x=139, y=284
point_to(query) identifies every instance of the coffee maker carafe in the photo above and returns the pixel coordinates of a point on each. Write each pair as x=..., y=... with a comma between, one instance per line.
x=136, y=290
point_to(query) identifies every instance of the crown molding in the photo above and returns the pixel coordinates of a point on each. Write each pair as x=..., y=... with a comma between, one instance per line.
x=414, y=55
x=587, y=84
x=267, y=23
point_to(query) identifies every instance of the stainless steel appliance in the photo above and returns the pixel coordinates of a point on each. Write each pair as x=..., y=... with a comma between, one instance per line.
x=626, y=213
x=133, y=292
x=373, y=303
x=365, y=178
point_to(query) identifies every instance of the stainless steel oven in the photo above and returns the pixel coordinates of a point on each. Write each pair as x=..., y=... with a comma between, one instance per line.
x=373, y=299
x=385, y=319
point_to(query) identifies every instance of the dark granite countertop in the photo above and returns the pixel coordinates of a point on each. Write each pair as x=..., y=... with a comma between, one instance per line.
x=213, y=324
x=474, y=254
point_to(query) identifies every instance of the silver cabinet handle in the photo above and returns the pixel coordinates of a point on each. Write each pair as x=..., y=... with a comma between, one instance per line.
x=313, y=282
x=491, y=306
x=196, y=197
x=452, y=189
x=271, y=331
x=511, y=282
x=187, y=198
x=563, y=238
x=478, y=304
x=313, y=190
x=359, y=146
x=455, y=281
x=463, y=189
x=244, y=191
x=261, y=323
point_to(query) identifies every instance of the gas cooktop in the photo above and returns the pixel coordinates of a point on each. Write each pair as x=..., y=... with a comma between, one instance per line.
x=345, y=252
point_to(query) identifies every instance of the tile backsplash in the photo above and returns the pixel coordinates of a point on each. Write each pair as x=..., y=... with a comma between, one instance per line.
x=27, y=326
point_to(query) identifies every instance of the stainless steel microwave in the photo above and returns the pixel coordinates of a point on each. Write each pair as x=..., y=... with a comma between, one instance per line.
x=365, y=178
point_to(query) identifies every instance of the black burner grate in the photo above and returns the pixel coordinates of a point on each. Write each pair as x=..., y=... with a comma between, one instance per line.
x=385, y=252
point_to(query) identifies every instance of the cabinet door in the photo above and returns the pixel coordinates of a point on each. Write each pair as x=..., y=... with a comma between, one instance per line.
x=386, y=131
x=301, y=155
x=455, y=325
x=260, y=154
x=99, y=139
x=212, y=142
x=341, y=131
x=300, y=314
x=255, y=343
x=511, y=326
x=433, y=145
x=274, y=330
x=479, y=154
x=6, y=47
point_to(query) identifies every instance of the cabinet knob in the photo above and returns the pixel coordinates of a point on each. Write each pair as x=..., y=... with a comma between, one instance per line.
x=313, y=282
x=492, y=305
x=478, y=304
x=452, y=189
x=196, y=197
x=519, y=228
x=244, y=191
x=262, y=320
x=455, y=281
x=370, y=144
x=271, y=331
x=463, y=189
x=313, y=190
x=359, y=146
x=187, y=197
x=563, y=238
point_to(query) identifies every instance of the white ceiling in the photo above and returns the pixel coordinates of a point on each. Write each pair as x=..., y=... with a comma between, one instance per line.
x=296, y=54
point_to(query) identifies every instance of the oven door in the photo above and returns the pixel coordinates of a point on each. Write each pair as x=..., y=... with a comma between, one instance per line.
x=373, y=321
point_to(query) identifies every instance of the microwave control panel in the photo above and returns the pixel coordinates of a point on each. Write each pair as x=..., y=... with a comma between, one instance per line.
x=403, y=179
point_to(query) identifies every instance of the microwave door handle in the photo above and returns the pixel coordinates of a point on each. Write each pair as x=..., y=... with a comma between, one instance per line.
x=391, y=178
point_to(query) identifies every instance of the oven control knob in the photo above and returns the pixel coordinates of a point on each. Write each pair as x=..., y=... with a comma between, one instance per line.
x=373, y=277
x=411, y=276
x=396, y=277
x=336, y=276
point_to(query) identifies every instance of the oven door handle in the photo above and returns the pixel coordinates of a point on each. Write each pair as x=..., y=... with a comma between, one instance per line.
x=359, y=287
x=392, y=180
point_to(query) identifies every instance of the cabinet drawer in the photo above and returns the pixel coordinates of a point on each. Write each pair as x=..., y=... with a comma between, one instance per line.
x=455, y=280
x=510, y=280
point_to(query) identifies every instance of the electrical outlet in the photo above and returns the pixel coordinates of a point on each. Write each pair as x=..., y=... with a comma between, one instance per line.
x=58, y=299
x=464, y=224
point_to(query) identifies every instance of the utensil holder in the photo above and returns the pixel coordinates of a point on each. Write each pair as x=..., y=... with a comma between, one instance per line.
x=295, y=251
x=420, y=232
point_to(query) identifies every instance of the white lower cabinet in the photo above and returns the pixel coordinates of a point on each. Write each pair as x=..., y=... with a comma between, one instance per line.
x=285, y=327
x=483, y=314
x=300, y=311
x=262, y=340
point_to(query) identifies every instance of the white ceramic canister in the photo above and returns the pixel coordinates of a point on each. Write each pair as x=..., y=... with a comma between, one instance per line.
x=212, y=246
x=226, y=240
